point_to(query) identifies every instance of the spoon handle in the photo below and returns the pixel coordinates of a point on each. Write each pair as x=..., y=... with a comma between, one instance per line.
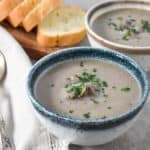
x=3, y=66
x=5, y=142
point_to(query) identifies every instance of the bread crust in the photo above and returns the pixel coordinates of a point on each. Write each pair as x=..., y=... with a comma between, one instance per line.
x=6, y=7
x=61, y=39
x=19, y=12
x=71, y=39
x=37, y=14
x=46, y=41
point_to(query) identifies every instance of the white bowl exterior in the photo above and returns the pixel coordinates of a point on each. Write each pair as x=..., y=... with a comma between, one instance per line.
x=143, y=60
x=84, y=138
x=94, y=43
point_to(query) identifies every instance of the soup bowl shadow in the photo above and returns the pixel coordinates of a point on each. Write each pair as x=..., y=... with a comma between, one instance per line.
x=78, y=131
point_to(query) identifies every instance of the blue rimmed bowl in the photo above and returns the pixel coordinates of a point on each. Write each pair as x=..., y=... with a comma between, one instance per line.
x=86, y=132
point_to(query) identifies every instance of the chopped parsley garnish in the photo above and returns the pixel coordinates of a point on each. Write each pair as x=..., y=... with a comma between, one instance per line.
x=69, y=79
x=114, y=87
x=76, y=89
x=102, y=90
x=105, y=95
x=126, y=36
x=115, y=26
x=87, y=115
x=129, y=33
x=94, y=70
x=52, y=85
x=125, y=89
x=109, y=107
x=104, y=84
x=66, y=86
x=129, y=27
x=104, y=117
x=145, y=25
x=86, y=77
x=120, y=18
x=94, y=101
x=85, y=84
x=81, y=64
x=71, y=111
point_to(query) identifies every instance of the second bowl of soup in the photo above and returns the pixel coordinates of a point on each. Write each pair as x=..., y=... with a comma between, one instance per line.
x=120, y=25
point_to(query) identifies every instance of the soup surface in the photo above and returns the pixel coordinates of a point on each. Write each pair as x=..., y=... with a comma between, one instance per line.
x=87, y=89
x=126, y=26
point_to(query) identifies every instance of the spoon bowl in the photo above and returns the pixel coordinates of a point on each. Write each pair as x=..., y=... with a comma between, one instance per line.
x=2, y=66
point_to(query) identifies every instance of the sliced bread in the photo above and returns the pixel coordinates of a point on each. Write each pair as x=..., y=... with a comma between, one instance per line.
x=35, y=16
x=6, y=6
x=20, y=11
x=62, y=27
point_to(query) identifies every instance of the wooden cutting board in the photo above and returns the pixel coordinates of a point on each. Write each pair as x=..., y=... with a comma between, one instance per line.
x=28, y=42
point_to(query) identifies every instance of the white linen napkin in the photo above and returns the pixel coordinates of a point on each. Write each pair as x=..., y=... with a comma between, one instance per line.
x=14, y=104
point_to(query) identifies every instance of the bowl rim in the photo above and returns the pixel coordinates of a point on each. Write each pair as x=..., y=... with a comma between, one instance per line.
x=107, y=43
x=80, y=123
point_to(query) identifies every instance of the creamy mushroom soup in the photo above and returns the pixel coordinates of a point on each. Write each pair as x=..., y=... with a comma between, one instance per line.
x=127, y=26
x=88, y=89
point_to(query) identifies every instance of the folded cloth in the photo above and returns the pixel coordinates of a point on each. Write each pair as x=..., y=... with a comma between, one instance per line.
x=15, y=107
x=5, y=141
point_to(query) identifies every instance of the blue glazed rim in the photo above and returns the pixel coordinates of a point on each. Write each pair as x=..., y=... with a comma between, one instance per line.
x=94, y=53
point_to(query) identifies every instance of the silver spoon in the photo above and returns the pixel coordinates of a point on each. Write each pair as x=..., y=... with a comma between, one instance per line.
x=5, y=142
x=2, y=66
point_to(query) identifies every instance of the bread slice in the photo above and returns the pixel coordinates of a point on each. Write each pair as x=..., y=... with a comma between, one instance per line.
x=20, y=11
x=6, y=7
x=62, y=27
x=35, y=16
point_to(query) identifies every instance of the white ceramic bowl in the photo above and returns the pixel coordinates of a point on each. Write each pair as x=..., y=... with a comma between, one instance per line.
x=85, y=132
x=99, y=9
